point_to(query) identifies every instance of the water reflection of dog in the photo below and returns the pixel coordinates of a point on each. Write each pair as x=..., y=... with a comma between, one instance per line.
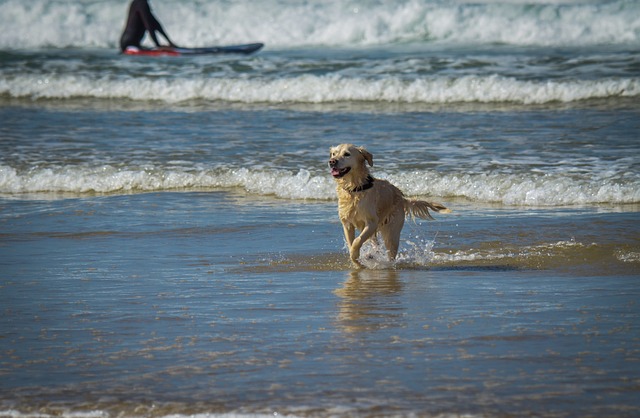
x=367, y=301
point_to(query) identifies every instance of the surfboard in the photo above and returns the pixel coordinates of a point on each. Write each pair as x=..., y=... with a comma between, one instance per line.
x=175, y=52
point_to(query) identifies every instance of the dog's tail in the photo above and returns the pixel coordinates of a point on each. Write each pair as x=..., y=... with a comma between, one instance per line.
x=420, y=208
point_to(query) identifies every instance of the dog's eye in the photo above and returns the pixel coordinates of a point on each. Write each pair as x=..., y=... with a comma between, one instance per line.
x=347, y=154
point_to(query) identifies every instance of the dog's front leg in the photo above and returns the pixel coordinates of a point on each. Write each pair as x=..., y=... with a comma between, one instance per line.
x=349, y=236
x=354, y=249
x=349, y=233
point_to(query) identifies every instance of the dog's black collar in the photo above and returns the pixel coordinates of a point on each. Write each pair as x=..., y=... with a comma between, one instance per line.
x=366, y=186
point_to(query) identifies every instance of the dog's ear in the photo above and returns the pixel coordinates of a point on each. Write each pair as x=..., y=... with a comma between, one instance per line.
x=366, y=154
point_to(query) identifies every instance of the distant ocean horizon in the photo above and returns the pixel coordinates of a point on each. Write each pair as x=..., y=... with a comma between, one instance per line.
x=169, y=239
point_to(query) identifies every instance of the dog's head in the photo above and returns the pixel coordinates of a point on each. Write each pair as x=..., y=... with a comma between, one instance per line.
x=349, y=160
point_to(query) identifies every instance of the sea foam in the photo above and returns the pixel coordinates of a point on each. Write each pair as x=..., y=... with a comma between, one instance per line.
x=319, y=89
x=510, y=189
x=87, y=23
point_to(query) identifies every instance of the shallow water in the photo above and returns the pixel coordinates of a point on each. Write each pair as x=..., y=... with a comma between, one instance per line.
x=190, y=303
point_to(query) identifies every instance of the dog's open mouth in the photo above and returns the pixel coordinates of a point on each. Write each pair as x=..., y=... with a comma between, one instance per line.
x=337, y=173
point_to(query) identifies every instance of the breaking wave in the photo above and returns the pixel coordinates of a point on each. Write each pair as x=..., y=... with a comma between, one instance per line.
x=510, y=189
x=88, y=23
x=320, y=89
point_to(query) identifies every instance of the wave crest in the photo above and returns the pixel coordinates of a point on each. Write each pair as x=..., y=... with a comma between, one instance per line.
x=320, y=89
x=510, y=189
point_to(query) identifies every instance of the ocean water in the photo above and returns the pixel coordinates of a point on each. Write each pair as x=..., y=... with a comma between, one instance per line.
x=169, y=240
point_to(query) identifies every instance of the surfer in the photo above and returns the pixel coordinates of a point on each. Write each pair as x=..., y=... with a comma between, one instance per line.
x=139, y=21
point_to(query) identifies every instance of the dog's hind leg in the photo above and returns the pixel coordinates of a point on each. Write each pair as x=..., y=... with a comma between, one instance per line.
x=391, y=234
x=375, y=241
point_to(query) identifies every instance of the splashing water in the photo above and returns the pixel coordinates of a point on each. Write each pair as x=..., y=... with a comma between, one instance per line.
x=418, y=253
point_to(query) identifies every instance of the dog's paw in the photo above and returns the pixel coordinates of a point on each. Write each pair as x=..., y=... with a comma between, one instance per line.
x=357, y=264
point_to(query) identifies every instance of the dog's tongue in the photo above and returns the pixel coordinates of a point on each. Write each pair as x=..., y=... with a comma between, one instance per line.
x=335, y=172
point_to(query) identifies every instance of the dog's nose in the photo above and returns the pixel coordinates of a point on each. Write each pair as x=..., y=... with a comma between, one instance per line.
x=332, y=162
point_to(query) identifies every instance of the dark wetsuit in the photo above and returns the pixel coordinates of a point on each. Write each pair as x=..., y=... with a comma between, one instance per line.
x=141, y=20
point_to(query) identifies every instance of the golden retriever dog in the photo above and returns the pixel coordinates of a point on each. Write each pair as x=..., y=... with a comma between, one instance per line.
x=372, y=206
